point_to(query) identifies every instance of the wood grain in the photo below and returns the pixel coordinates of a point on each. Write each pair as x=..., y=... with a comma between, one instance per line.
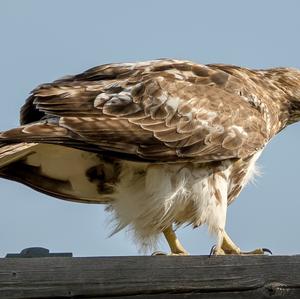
x=151, y=277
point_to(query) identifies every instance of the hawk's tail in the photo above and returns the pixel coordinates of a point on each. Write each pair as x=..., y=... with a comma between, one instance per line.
x=10, y=153
x=17, y=139
x=17, y=143
x=41, y=132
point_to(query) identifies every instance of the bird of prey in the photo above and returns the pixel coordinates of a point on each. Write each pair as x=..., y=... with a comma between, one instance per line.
x=162, y=143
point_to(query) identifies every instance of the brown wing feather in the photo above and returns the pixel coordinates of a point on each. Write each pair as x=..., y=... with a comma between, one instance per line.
x=161, y=110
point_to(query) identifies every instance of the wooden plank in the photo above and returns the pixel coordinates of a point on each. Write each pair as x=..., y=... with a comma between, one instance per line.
x=151, y=277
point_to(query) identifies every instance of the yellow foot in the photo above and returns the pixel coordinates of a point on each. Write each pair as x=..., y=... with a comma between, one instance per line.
x=258, y=251
x=221, y=251
x=175, y=246
x=229, y=248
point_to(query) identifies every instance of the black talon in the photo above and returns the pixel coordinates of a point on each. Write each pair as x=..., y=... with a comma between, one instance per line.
x=267, y=250
x=212, y=251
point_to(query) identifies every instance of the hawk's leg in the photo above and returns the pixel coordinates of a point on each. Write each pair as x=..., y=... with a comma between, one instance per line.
x=227, y=246
x=175, y=245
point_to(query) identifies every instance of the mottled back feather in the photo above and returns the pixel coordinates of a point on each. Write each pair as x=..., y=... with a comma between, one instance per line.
x=163, y=110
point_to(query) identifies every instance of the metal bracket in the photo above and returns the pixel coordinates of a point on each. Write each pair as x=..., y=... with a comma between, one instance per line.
x=37, y=252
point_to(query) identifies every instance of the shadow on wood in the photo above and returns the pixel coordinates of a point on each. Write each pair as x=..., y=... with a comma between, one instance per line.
x=151, y=277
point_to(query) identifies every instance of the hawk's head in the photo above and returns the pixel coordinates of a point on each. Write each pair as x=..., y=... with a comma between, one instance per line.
x=288, y=80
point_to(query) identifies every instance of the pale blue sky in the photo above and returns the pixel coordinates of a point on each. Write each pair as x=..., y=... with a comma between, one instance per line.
x=43, y=40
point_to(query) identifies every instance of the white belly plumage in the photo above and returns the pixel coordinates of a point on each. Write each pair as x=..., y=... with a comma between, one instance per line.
x=150, y=198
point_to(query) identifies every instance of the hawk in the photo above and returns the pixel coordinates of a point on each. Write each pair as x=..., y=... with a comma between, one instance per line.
x=162, y=143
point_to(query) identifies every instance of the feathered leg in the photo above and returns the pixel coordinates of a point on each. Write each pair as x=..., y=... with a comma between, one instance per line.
x=224, y=244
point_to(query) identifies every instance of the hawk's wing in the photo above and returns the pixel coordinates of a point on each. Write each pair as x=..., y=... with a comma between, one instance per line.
x=162, y=110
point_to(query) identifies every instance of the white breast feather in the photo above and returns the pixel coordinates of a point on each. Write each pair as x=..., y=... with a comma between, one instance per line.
x=149, y=198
